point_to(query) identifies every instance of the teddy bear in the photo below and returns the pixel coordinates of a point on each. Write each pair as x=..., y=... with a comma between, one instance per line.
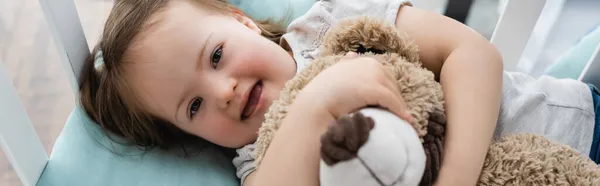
x=375, y=147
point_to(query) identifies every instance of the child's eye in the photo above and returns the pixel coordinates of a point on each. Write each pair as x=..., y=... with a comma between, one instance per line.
x=216, y=56
x=195, y=106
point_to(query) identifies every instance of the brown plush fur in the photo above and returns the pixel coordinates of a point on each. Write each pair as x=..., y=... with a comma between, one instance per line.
x=351, y=131
x=527, y=159
x=516, y=160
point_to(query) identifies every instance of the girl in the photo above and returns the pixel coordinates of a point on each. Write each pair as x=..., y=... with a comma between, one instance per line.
x=169, y=72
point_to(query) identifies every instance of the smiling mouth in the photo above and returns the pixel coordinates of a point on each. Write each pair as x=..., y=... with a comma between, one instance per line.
x=253, y=100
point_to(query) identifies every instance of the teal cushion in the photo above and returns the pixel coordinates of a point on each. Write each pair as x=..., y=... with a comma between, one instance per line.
x=284, y=10
x=571, y=64
x=83, y=155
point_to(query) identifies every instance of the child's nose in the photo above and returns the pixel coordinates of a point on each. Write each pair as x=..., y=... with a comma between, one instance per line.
x=226, y=93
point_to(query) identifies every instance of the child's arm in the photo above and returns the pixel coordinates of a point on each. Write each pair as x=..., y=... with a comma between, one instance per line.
x=353, y=83
x=470, y=70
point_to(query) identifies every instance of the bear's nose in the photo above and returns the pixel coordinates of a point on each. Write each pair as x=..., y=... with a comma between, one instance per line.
x=362, y=50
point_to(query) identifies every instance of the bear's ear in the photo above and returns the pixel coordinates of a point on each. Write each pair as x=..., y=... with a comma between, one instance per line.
x=364, y=34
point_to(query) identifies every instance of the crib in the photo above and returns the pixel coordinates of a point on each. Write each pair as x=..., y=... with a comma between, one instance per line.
x=24, y=149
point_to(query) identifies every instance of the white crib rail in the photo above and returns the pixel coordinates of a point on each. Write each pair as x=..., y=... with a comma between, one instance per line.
x=18, y=138
x=591, y=72
x=514, y=29
x=65, y=27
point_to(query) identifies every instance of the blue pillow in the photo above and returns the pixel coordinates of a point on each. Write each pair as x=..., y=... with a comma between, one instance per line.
x=83, y=155
x=274, y=9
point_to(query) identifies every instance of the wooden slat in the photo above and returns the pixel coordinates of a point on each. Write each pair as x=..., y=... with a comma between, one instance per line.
x=68, y=35
x=514, y=29
x=18, y=138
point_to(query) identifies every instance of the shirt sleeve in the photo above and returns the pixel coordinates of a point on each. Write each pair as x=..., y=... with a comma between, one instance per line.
x=304, y=35
x=245, y=162
x=383, y=9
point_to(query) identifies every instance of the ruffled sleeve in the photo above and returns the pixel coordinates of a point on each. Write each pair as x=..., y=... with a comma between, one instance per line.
x=304, y=35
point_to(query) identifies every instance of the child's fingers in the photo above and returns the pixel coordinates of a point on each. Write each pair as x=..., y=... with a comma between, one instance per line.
x=393, y=87
x=394, y=104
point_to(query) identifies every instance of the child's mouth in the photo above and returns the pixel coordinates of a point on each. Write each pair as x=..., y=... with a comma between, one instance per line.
x=253, y=100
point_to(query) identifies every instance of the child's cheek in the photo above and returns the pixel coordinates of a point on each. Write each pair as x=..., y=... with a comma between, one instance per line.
x=251, y=61
x=220, y=130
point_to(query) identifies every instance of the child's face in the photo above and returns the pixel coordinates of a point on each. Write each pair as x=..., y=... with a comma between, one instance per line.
x=211, y=75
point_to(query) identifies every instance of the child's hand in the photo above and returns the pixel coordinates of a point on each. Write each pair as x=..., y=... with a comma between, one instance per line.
x=351, y=84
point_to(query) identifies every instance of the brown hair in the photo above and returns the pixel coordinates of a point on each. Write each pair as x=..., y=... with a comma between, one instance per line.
x=105, y=95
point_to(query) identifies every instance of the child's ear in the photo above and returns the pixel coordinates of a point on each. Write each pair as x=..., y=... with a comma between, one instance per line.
x=242, y=18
